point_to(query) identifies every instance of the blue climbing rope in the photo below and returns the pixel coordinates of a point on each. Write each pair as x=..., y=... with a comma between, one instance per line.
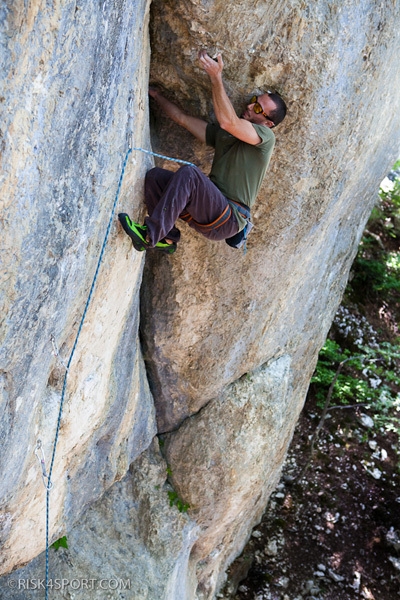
x=49, y=484
x=177, y=160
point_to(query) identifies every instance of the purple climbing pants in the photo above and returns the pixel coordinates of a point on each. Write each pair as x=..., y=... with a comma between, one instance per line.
x=188, y=190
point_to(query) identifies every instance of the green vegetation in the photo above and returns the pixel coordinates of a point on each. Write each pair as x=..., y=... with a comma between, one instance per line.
x=376, y=269
x=366, y=362
x=372, y=379
x=61, y=543
x=174, y=500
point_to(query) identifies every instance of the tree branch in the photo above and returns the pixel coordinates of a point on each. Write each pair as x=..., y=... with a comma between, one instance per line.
x=324, y=413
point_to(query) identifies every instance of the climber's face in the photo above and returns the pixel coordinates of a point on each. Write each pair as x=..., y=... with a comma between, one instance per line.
x=259, y=109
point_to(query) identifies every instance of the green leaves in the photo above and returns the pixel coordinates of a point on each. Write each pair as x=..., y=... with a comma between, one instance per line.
x=174, y=500
x=374, y=380
x=376, y=269
x=61, y=543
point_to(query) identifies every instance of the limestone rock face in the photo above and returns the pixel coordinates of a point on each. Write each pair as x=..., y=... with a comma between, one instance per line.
x=71, y=73
x=130, y=544
x=212, y=313
x=223, y=462
x=230, y=339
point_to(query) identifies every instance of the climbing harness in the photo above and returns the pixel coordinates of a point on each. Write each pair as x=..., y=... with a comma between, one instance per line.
x=204, y=227
x=236, y=241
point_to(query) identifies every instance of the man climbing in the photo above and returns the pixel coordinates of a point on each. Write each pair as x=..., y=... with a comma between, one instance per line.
x=217, y=206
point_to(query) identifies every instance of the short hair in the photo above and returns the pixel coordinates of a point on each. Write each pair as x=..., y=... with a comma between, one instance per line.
x=279, y=112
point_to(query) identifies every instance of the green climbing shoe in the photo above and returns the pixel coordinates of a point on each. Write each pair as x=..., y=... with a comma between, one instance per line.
x=136, y=232
x=163, y=246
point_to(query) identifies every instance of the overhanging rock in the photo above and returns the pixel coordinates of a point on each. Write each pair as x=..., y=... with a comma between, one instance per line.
x=211, y=313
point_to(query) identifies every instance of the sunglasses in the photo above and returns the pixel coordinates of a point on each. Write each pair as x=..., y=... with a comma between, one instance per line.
x=258, y=109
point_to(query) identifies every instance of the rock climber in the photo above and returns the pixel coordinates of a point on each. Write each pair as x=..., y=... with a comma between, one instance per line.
x=217, y=206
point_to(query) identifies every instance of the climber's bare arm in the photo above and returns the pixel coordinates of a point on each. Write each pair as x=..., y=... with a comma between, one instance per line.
x=196, y=126
x=224, y=111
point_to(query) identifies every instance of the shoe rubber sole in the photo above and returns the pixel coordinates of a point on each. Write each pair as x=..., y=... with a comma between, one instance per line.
x=164, y=247
x=134, y=231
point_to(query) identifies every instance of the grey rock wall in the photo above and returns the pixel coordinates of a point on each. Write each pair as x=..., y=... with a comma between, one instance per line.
x=224, y=464
x=71, y=72
x=129, y=545
x=336, y=66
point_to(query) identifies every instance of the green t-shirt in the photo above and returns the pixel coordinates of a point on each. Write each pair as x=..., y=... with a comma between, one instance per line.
x=238, y=168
